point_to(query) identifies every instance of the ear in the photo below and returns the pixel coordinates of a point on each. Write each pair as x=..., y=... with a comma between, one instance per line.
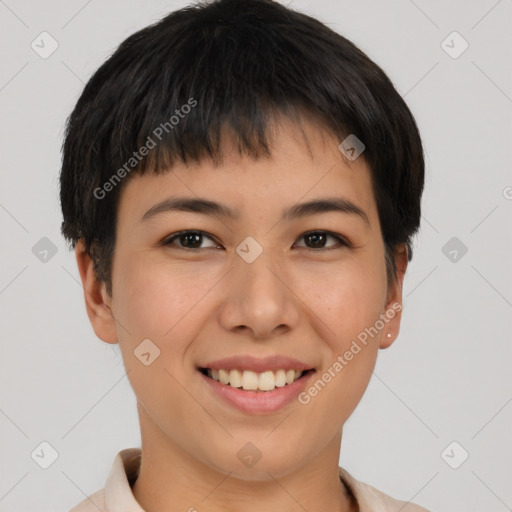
x=97, y=302
x=393, y=308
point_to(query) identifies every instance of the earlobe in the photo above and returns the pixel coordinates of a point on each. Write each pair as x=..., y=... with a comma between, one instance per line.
x=97, y=302
x=392, y=317
x=393, y=310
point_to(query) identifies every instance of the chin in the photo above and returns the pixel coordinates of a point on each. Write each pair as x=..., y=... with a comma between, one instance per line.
x=252, y=465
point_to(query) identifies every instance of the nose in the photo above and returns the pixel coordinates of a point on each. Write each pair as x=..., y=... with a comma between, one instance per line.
x=259, y=299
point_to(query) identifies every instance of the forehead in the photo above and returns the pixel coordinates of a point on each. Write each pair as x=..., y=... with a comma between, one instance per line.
x=305, y=162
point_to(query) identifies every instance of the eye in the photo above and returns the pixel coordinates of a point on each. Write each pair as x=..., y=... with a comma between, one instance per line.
x=318, y=239
x=189, y=240
x=193, y=239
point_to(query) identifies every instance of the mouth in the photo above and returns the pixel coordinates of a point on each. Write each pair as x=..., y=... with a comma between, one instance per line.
x=256, y=382
x=255, y=393
x=255, y=385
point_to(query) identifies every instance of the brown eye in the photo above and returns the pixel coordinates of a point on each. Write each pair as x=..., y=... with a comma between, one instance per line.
x=189, y=240
x=317, y=240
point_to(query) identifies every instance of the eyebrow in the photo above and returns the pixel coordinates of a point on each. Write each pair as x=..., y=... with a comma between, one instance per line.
x=207, y=207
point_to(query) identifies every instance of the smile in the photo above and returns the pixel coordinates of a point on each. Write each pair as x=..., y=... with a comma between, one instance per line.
x=249, y=380
x=274, y=397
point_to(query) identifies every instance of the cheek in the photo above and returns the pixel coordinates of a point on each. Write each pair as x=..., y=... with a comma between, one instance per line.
x=349, y=300
x=156, y=299
x=167, y=304
x=349, y=305
x=160, y=303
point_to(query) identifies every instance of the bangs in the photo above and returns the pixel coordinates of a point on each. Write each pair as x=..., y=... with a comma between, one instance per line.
x=243, y=79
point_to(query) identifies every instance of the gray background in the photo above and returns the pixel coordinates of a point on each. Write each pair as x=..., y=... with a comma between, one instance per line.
x=447, y=377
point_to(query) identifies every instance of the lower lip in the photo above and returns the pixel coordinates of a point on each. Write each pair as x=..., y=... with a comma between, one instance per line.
x=253, y=402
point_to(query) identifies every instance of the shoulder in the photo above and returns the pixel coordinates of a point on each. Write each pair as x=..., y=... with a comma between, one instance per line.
x=93, y=503
x=367, y=496
x=116, y=493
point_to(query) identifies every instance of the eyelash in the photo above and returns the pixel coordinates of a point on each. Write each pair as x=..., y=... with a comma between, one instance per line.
x=342, y=242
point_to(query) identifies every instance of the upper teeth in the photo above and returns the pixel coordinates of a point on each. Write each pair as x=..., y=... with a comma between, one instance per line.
x=249, y=380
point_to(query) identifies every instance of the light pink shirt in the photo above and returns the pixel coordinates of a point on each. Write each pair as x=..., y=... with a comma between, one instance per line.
x=117, y=494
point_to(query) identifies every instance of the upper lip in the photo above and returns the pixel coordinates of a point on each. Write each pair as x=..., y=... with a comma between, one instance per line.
x=258, y=365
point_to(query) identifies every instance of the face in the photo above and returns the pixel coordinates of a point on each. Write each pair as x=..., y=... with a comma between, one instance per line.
x=257, y=284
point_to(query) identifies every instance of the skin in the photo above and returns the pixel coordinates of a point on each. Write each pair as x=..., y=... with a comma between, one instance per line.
x=197, y=306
